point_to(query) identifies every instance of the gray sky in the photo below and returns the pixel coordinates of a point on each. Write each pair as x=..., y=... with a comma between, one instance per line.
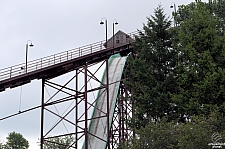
x=55, y=26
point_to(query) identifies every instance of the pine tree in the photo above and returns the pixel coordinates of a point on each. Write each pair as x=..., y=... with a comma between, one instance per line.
x=151, y=74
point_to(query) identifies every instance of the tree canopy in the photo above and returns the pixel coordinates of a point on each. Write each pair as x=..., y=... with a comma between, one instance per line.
x=16, y=141
x=150, y=74
x=179, y=71
x=177, y=78
x=59, y=142
x=215, y=7
x=200, y=68
x=198, y=133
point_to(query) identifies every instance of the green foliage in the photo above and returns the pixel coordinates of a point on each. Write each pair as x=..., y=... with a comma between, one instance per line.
x=198, y=132
x=58, y=142
x=200, y=66
x=1, y=146
x=150, y=74
x=158, y=135
x=16, y=141
x=216, y=8
x=178, y=74
x=171, y=135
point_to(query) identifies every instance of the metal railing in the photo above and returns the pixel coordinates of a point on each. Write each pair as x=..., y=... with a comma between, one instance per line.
x=38, y=64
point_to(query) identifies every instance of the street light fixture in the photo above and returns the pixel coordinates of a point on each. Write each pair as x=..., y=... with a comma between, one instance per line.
x=173, y=5
x=114, y=23
x=31, y=45
x=105, y=29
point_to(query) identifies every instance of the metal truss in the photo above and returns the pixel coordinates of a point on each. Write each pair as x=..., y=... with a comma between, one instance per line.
x=120, y=131
x=80, y=104
x=72, y=104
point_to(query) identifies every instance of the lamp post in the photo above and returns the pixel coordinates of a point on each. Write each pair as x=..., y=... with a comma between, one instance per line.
x=173, y=5
x=114, y=23
x=31, y=45
x=105, y=30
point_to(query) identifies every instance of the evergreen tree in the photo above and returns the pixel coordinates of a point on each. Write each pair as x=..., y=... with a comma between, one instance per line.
x=200, y=69
x=151, y=74
x=215, y=8
x=16, y=141
x=179, y=77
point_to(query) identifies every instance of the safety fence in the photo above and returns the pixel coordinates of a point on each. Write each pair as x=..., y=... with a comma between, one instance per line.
x=38, y=64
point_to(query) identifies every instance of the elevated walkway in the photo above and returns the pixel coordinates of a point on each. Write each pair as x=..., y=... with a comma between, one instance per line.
x=61, y=63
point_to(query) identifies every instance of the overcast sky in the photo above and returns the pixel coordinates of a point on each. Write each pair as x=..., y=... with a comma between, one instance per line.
x=55, y=26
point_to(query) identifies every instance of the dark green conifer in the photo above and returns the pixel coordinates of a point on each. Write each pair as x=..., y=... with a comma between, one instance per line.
x=151, y=73
x=201, y=64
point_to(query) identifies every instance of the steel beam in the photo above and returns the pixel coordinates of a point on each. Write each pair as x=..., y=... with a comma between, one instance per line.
x=117, y=131
x=42, y=113
x=123, y=113
x=78, y=95
x=86, y=108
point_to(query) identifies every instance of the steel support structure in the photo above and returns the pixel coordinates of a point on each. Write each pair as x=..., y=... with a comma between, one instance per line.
x=120, y=131
x=71, y=105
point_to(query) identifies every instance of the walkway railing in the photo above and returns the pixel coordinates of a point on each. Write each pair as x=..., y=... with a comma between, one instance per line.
x=34, y=65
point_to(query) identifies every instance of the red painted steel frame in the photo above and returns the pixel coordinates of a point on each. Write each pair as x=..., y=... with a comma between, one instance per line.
x=79, y=60
x=123, y=112
x=118, y=131
x=78, y=96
